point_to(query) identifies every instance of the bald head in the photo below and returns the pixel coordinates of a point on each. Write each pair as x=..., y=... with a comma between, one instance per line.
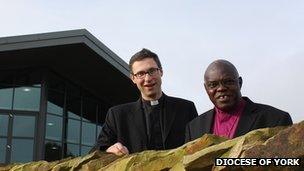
x=223, y=85
x=222, y=65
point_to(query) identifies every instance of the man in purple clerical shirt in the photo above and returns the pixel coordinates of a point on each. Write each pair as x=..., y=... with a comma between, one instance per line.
x=232, y=115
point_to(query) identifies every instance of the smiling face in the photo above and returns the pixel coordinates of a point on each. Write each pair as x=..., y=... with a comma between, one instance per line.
x=223, y=85
x=149, y=85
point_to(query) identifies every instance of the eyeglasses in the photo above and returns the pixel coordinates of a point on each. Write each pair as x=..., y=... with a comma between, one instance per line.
x=142, y=74
x=225, y=83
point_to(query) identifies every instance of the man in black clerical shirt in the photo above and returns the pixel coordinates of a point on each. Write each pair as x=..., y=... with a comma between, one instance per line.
x=152, y=110
x=154, y=122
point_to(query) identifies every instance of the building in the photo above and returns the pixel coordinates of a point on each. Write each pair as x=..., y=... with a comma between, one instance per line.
x=55, y=90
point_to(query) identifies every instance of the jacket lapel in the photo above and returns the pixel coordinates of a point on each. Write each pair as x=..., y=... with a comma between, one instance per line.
x=207, y=126
x=169, y=112
x=247, y=118
x=137, y=118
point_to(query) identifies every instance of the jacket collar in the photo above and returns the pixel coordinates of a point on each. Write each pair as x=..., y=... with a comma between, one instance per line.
x=209, y=117
x=245, y=123
x=247, y=118
x=138, y=119
x=169, y=113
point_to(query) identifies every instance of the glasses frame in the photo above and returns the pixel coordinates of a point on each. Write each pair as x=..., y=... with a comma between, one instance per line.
x=229, y=82
x=142, y=74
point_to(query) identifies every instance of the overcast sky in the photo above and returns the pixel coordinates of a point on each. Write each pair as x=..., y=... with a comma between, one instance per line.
x=264, y=39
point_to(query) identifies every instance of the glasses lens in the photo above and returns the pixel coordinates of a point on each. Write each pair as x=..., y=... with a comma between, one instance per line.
x=140, y=74
x=212, y=84
x=152, y=71
x=228, y=82
x=216, y=84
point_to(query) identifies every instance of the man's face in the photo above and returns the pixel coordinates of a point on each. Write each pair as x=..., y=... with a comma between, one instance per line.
x=149, y=84
x=223, y=87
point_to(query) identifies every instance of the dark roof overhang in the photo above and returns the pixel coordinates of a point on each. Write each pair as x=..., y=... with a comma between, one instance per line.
x=76, y=55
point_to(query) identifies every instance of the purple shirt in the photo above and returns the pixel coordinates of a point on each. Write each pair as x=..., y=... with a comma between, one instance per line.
x=225, y=124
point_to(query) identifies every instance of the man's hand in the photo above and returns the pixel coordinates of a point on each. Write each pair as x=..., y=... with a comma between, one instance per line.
x=118, y=149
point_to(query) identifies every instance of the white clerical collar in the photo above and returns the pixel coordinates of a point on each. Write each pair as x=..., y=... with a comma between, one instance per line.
x=154, y=102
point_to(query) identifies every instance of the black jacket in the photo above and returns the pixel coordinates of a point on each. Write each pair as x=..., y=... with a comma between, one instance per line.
x=126, y=124
x=254, y=116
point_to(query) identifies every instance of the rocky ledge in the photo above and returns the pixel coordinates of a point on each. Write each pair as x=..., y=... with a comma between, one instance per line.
x=200, y=154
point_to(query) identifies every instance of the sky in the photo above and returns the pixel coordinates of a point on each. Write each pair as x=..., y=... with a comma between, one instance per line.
x=263, y=39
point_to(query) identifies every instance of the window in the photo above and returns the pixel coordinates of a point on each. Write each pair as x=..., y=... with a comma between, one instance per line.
x=88, y=133
x=23, y=138
x=73, y=131
x=22, y=150
x=70, y=109
x=54, y=127
x=3, y=125
x=6, y=97
x=72, y=150
x=2, y=149
x=24, y=126
x=30, y=95
x=85, y=149
x=89, y=110
x=54, y=108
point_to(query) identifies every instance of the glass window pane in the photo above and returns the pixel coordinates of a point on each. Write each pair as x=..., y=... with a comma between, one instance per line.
x=53, y=150
x=24, y=126
x=27, y=98
x=73, y=131
x=3, y=125
x=73, y=115
x=2, y=149
x=54, y=109
x=53, y=127
x=84, y=119
x=72, y=150
x=6, y=97
x=55, y=103
x=88, y=133
x=22, y=150
x=85, y=150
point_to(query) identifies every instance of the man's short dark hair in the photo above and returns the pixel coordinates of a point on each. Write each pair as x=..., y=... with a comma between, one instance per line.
x=143, y=54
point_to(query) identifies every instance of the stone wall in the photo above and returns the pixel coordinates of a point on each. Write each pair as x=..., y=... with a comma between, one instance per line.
x=200, y=154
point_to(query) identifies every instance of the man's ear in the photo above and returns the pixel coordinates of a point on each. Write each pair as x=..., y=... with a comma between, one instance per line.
x=161, y=72
x=132, y=78
x=240, y=82
x=205, y=87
